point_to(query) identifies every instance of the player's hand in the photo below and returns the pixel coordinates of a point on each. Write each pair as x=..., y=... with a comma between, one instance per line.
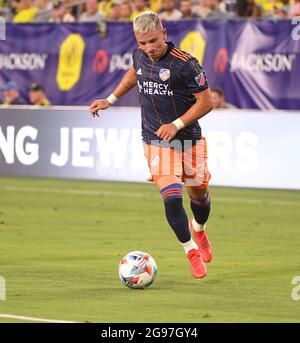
x=97, y=105
x=167, y=132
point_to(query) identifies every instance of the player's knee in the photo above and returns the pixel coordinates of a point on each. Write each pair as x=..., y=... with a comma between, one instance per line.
x=162, y=181
x=198, y=192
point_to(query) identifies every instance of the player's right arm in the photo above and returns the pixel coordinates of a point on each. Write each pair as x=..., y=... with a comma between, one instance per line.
x=128, y=81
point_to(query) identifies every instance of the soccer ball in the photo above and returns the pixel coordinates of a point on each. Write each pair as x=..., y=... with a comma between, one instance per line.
x=137, y=270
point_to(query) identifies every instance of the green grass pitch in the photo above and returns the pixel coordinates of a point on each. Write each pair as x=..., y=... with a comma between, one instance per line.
x=61, y=242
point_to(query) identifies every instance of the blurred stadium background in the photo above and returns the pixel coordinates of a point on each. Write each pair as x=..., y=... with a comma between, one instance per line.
x=63, y=174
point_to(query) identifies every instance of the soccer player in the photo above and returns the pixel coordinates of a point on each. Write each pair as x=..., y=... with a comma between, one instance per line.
x=174, y=94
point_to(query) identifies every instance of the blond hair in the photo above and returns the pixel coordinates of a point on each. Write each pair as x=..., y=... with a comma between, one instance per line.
x=146, y=22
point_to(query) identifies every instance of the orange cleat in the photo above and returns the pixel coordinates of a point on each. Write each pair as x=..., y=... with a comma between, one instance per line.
x=198, y=268
x=203, y=243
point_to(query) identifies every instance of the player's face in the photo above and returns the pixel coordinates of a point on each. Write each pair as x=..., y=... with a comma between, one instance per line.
x=153, y=43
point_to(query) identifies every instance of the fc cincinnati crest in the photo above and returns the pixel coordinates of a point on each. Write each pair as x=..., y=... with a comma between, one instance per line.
x=164, y=74
x=200, y=79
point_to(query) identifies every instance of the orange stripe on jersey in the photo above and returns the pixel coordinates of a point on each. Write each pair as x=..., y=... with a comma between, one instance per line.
x=173, y=101
x=178, y=56
x=183, y=53
x=182, y=56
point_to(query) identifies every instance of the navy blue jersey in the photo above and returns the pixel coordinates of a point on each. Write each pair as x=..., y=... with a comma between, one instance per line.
x=166, y=89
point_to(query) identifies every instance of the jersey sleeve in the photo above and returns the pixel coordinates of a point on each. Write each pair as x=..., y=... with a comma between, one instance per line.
x=136, y=57
x=194, y=76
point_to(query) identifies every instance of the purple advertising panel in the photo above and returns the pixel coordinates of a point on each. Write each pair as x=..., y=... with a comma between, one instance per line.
x=255, y=63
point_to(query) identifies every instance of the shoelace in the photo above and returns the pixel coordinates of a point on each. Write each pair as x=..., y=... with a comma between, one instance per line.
x=194, y=258
x=204, y=241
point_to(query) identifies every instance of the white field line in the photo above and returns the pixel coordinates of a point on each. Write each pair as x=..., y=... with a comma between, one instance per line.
x=138, y=194
x=70, y=191
x=33, y=319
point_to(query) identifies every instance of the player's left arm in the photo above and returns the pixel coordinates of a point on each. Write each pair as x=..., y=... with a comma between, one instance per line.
x=194, y=113
x=196, y=84
x=203, y=106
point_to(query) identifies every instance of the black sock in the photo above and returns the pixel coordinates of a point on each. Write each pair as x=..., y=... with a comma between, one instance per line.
x=201, y=209
x=175, y=213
